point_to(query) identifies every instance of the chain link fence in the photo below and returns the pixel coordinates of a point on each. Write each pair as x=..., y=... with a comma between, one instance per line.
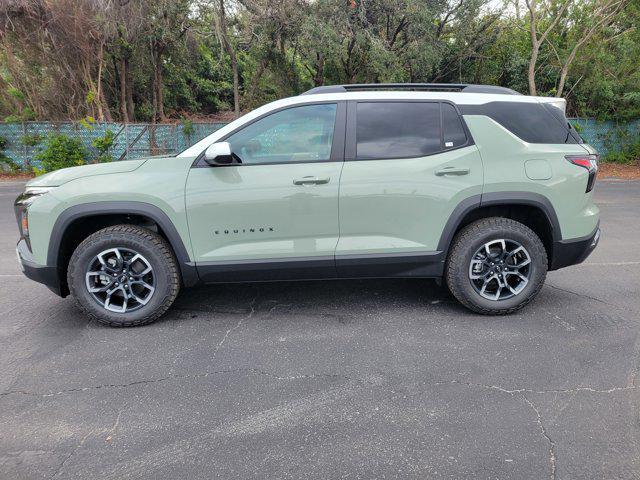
x=133, y=140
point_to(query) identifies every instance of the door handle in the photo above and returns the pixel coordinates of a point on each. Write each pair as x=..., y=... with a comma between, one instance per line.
x=452, y=171
x=310, y=180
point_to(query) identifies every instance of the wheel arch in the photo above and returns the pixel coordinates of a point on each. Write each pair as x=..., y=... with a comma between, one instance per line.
x=531, y=209
x=102, y=214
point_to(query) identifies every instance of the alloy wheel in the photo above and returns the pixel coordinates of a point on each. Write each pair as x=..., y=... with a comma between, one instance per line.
x=500, y=269
x=120, y=279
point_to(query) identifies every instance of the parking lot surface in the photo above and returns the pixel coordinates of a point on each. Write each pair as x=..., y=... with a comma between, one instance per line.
x=340, y=379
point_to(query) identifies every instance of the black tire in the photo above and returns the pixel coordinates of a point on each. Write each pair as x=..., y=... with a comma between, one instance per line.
x=155, y=250
x=470, y=240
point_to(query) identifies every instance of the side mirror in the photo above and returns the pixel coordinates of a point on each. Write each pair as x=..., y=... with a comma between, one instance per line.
x=218, y=154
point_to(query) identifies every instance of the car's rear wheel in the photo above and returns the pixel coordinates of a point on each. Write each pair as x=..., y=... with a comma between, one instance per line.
x=496, y=266
x=124, y=276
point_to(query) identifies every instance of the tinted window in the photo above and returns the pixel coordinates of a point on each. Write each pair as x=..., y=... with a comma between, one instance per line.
x=559, y=115
x=531, y=122
x=397, y=130
x=453, y=131
x=297, y=134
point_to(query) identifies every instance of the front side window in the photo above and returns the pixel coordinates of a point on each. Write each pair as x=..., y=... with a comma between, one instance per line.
x=297, y=134
x=397, y=130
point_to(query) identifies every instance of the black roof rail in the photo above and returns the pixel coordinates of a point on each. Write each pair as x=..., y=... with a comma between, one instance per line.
x=430, y=87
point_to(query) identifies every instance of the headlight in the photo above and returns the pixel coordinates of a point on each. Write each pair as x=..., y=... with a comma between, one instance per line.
x=22, y=209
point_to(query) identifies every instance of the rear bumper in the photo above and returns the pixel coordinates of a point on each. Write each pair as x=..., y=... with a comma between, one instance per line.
x=574, y=251
x=44, y=274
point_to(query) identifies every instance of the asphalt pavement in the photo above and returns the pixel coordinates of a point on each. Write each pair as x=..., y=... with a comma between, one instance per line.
x=339, y=379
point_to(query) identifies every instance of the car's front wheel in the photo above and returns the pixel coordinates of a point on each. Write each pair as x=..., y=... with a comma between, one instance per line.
x=496, y=266
x=124, y=276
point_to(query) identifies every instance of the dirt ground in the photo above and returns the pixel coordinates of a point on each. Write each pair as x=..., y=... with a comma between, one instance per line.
x=614, y=170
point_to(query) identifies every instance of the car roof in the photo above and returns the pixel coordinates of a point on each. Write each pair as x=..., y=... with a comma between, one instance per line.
x=433, y=87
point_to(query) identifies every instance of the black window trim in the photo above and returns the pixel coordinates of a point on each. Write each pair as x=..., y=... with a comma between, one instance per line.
x=351, y=140
x=337, y=144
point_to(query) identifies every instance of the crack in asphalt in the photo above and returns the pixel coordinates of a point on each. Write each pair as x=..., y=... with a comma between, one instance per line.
x=71, y=454
x=239, y=324
x=312, y=376
x=543, y=430
x=520, y=392
x=540, y=392
x=181, y=377
x=578, y=294
x=513, y=392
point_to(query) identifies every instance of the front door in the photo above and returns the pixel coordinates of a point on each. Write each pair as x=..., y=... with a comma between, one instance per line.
x=407, y=166
x=275, y=214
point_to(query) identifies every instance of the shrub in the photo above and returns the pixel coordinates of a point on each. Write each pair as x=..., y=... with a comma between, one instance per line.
x=31, y=139
x=628, y=154
x=60, y=151
x=188, y=128
x=6, y=163
x=103, y=145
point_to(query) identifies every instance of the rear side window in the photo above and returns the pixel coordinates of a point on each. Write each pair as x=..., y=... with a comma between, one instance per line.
x=397, y=130
x=532, y=122
x=452, y=129
x=559, y=115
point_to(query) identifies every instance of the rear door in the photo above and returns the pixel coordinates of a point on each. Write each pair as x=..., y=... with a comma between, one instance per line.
x=407, y=166
x=274, y=215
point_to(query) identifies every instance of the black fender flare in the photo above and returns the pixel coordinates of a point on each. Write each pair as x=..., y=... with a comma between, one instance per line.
x=475, y=202
x=71, y=214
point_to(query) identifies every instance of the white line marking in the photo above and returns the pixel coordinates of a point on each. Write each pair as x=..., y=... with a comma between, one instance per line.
x=608, y=264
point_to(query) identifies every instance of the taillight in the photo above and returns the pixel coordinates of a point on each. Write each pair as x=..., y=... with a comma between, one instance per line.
x=588, y=162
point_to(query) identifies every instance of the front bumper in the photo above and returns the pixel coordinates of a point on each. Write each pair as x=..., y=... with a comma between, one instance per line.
x=40, y=273
x=572, y=252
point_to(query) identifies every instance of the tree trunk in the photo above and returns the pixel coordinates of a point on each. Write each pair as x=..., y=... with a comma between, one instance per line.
x=318, y=79
x=131, y=111
x=154, y=98
x=236, y=83
x=532, y=69
x=105, y=105
x=122, y=74
x=160, y=88
x=224, y=36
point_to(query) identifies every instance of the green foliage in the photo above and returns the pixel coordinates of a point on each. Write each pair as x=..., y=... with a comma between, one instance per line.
x=60, y=151
x=25, y=115
x=286, y=47
x=629, y=151
x=88, y=122
x=31, y=139
x=103, y=144
x=628, y=155
x=6, y=163
x=187, y=127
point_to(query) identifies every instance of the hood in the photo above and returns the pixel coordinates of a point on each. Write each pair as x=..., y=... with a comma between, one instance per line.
x=64, y=175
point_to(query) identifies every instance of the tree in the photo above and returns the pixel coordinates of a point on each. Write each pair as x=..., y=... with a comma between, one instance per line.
x=553, y=10
x=221, y=27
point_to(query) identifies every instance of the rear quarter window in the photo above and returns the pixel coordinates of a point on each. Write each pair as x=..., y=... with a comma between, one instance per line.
x=531, y=122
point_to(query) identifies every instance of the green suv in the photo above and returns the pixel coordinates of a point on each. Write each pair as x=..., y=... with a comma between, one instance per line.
x=477, y=185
